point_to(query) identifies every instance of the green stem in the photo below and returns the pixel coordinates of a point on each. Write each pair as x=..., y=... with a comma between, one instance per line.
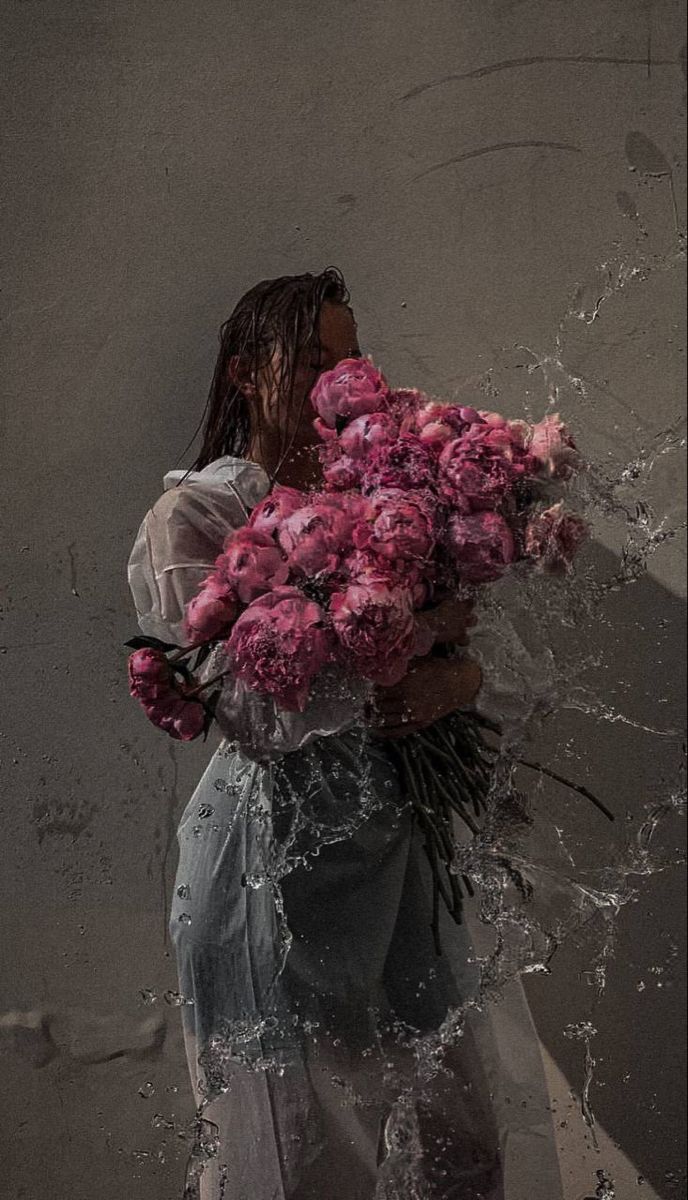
x=576, y=787
x=195, y=691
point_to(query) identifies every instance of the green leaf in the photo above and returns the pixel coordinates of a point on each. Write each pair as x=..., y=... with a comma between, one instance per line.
x=203, y=653
x=137, y=643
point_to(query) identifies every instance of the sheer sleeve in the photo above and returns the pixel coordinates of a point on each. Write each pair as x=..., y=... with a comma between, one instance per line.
x=175, y=547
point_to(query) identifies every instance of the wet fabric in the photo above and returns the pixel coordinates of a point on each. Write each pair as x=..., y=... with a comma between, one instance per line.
x=335, y=1054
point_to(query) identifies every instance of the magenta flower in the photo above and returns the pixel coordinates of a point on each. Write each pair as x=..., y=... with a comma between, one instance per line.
x=251, y=564
x=182, y=719
x=436, y=424
x=377, y=629
x=404, y=403
x=354, y=387
x=481, y=546
x=279, y=644
x=417, y=579
x=402, y=526
x=152, y=683
x=405, y=463
x=315, y=537
x=211, y=611
x=364, y=434
x=553, y=537
x=554, y=448
x=341, y=473
x=479, y=469
x=281, y=502
x=150, y=674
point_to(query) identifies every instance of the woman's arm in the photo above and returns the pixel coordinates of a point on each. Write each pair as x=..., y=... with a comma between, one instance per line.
x=175, y=547
x=451, y=620
x=432, y=688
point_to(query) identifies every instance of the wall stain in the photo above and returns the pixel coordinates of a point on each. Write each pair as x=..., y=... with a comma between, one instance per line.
x=647, y=159
x=40, y=1035
x=644, y=156
x=526, y=143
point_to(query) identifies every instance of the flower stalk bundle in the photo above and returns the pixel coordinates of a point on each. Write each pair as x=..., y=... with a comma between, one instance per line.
x=421, y=501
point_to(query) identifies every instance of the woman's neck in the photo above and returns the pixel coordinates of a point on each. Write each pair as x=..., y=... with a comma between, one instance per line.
x=300, y=468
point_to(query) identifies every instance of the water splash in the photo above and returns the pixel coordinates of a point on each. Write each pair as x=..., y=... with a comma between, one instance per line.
x=532, y=898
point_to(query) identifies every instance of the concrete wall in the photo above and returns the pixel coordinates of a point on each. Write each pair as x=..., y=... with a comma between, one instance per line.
x=502, y=184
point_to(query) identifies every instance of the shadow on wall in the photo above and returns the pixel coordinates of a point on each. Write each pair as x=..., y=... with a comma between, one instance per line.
x=625, y=974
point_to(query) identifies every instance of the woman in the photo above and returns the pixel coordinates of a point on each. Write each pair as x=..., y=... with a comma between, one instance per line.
x=300, y=916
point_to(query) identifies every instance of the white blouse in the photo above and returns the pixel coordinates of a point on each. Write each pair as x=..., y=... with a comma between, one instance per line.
x=175, y=547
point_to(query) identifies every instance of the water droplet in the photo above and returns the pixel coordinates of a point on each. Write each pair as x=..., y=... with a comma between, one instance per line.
x=146, y=1090
x=184, y=919
x=183, y=891
x=176, y=999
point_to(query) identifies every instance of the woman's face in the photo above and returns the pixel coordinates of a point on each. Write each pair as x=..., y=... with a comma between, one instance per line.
x=337, y=331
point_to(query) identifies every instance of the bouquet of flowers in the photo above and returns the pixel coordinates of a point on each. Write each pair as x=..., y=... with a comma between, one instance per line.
x=422, y=500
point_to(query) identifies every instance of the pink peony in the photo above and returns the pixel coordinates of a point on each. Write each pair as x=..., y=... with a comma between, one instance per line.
x=405, y=463
x=151, y=681
x=354, y=387
x=401, y=526
x=362, y=435
x=150, y=674
x=480, y=468
x=251, y=564
x=520, y=432
x=404, y=403
x=553, y=537
x=377, y=629
x=553, y=447
x=279, y=644
x=209, y=614
x=341, y=473
x=182, y=719
x=481, y=546
x=436, y=424
x=281, y=502
x=315, y=537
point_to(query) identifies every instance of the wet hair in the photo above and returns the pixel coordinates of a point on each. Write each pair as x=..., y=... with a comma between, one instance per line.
x=276, y=314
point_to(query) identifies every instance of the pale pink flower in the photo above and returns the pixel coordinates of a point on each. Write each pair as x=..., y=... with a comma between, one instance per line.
x=354, y=387
x=251, y=564
x=364, y=434
x=554, y=448
x=279, y=644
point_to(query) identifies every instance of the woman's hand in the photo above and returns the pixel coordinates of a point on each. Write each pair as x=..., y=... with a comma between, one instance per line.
x=432, y=688
x=451, y=620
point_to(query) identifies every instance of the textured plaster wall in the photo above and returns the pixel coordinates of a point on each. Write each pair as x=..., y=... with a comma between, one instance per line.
x=502, y=184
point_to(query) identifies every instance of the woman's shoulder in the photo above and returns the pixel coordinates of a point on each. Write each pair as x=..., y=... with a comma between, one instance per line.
x=225, y=474
x=227, y=481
